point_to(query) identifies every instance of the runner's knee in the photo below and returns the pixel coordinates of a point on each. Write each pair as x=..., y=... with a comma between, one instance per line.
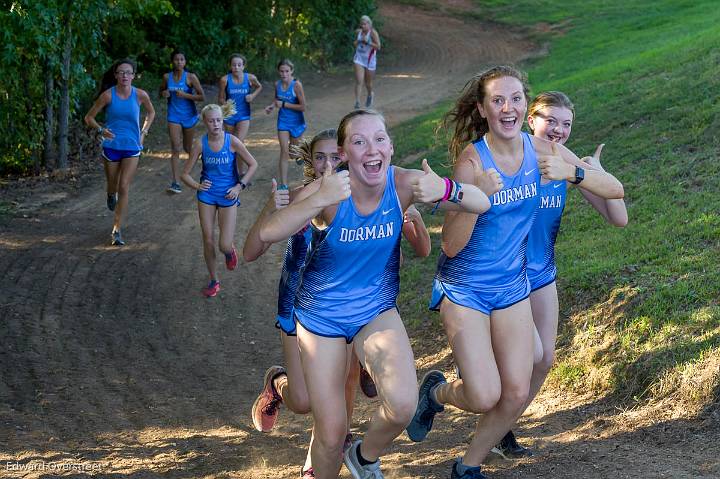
x=481, y=398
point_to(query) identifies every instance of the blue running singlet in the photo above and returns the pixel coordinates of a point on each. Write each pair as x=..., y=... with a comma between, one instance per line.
x=489, y=272
x=218, y=167
x=122, y=117
x=289, y=120
x=295, y=252
x=237, y=92
x=351, y=274
x=181, y=110
x=541, y=269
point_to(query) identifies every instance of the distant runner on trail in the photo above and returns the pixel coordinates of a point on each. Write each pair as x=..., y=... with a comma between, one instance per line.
x=182, y=90
x=290, y=103
x=367, y=44
x=122, y=137
x=218, y=191
x=241, y=87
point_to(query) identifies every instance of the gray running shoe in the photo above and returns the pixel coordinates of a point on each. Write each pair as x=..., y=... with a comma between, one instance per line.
x=369, y=471
x=357, y=105
x=369, y=100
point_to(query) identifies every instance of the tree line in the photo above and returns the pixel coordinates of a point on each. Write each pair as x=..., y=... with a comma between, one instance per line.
x=54, y=53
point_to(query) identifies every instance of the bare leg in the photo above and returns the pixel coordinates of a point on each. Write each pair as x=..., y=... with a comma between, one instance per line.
x=128, y=167
x=323, y=361
x=351, y=385
x=545, y=310
x=384, y=348
x=176, y=145
x=512, y=340
x=241, y=129
x=468, y=332
x=227, y=219
x=284, y=139
x=369, y=76
x=207, y=224
x=359, y=81
x=112, y=175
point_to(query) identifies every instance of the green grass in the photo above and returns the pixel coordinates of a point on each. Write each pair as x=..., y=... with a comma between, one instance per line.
x=643, y=301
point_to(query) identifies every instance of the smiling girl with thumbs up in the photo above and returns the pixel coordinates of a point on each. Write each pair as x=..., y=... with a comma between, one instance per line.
x=481, y=286
x=350, y=285
x=550, y=116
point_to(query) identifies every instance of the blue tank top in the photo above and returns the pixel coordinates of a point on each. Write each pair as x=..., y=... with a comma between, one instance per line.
x=494, y=257
x=219, y=167
x=122, y=117
x=295, y=252
x=237, y=93
x=352, y=269
x=541, y=240
x=180, y=108
x=286, y=116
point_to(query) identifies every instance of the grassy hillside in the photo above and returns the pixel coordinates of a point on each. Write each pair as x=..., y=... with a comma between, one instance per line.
x=642, y=304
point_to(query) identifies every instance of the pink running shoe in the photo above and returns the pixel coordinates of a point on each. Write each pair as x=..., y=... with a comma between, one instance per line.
x=231, y=259
x=307, y=474
x=267, y=405
x=212, y=289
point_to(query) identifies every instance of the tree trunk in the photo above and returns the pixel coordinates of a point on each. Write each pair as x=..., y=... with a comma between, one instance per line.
x=49, y=142
x=64, y=114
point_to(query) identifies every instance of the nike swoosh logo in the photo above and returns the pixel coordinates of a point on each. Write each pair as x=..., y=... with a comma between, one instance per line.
x=387, y=211
x=528, y=172
x=557, y=185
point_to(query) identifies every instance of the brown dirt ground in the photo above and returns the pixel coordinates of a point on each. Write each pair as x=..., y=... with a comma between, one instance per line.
x=114, y=366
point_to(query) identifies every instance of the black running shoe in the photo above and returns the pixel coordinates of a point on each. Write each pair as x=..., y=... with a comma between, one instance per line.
x=112, y=201
x=422, y=422
x=509, y=448
x=470, y=472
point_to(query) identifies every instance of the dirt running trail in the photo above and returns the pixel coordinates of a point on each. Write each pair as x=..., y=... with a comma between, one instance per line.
x=114, y=365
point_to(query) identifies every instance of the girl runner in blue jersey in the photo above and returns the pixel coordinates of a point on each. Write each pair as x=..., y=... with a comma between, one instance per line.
x=242, y=88
x=367, y=44
x=122, y=136
x=290, y=103
x=287, y=385
x=218, y=191
x=350, y=283
x=481, y=286
x=182, y=90
x=550, y=116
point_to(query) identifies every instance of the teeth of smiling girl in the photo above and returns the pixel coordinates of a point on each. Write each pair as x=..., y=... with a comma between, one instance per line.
x=373, y=166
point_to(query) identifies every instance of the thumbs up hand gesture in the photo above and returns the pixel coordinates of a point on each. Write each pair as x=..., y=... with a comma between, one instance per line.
x=488, y=181
x=334, y=187
x=281, y=194
x=554, y=167
x=594, y=160
x=429, y=187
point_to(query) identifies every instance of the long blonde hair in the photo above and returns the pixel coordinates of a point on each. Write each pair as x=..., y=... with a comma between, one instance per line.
x=226, y=110
x=465, y=117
